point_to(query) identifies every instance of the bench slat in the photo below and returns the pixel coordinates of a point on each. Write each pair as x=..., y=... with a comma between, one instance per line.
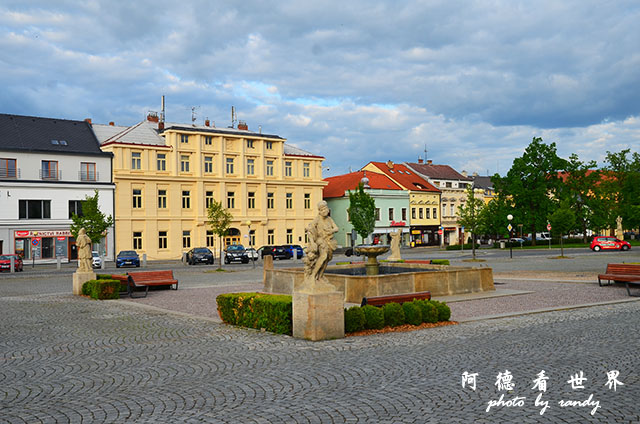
x=397, y=298
x=150, y=278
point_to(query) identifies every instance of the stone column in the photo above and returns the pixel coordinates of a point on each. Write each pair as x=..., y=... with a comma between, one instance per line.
x=79, y=278
x=318, y=316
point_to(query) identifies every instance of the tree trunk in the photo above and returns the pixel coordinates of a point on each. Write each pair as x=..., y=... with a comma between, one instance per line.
x=473, y=246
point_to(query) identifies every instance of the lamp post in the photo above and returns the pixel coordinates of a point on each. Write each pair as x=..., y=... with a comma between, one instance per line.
x=252, y=259
x=509, y=227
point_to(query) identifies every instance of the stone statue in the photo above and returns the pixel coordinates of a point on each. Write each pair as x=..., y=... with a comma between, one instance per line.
x=320, y=247
x=84, y=251
x=395, y=246
x=619, y=233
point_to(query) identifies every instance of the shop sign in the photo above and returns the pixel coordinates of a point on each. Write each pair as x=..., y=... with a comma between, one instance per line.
x=61, y=238
x=398, y=223
x=38, y=233
x=415, y=232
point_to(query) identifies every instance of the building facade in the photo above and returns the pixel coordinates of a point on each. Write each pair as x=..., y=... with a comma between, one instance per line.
x=166, y=175
x=47, y=168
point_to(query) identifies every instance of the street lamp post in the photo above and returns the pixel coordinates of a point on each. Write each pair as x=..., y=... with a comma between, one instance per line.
x=252, y=259
x=510, y=218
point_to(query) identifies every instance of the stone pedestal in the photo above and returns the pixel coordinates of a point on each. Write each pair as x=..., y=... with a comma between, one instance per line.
x=318, y=316
x=79, y=278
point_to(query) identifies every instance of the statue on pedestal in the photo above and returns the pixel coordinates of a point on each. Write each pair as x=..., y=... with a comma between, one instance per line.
x=84, y=251
x=320, y=247
x=395, y=246
x=619, y=232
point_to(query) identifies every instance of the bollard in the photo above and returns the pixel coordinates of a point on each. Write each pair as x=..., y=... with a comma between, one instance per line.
x=102, y=262
x=58, y=262
x=12, y=264
x=184, y=258
x=144, y=260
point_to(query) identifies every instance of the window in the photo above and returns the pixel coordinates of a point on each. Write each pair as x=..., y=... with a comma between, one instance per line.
x=252, y=237
x=251, y=166
x=186, y=239
x=162, y=239
x=49, y=170
x=210, y=238
x=289, y=200
x=420, y=213
x=87, y=171
x=269, y=168
x=231, y=200
x=208, y=198
x=306, y=170
x=161, y=161
x=137, y=198
x=137, y=240
x=75, y=208
x=453, y=211
x=270, y=202
x=249, y=144
x=462, y=185
x=413, y=213
x=270, y=237
x=435, y=213
x=184, y=138
x=390, y=214
x=184, y=163
x=377, y=214
x=288, y=168
x=448, y=185
x=307, y=200
x=208, y=164
x=162, y=199
x=34, y=209
x=208, y=140
x=289, y=235
x=251, y=200
x=426, y=213
x=268, y=145
x=404, y=214
x=229, y=165
x=186, y=199
x=8, y=168
x=136, y=160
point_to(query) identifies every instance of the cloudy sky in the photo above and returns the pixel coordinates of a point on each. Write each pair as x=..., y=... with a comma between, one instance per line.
x=355, y=81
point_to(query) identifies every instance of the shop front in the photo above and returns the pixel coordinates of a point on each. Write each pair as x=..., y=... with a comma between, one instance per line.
x=425, y=235
x=382, y=235
x=43, y=244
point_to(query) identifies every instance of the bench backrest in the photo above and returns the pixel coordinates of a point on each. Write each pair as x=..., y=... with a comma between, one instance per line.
x=151, y=275
x=626, y=269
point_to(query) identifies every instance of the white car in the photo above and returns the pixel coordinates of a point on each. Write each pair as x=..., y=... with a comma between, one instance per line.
x=97, y=260
x=252, y=254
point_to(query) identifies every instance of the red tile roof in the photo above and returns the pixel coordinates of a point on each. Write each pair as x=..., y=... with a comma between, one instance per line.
x=405, y=176
x=339, y=184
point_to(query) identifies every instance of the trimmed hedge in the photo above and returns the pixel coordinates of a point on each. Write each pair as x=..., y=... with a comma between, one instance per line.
x=444, y=312
x=393, y=314
x=429, y=311
x=257, y=310
x=373, y=317
x=412, y=313
x=440, y=262
x=123, y=286
x=102, y=289
x=353, y=319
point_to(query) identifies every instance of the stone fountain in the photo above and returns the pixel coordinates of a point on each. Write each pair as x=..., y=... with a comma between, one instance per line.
x=372, y=251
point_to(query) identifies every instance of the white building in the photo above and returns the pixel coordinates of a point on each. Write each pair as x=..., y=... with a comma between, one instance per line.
x=47, y=167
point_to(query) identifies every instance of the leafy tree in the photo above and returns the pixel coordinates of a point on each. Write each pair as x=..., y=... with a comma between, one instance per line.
x=493, y=217
x=219, y=219
x=92, y=220
x=470, y=216
x=621, y=186
x=562, y=221
x=362, y=211
x=531, y=184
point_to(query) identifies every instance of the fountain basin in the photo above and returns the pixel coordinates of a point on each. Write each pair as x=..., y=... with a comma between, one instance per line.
x=372, y=251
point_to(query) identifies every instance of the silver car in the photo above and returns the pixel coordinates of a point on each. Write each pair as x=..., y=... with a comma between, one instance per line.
x=97, y=260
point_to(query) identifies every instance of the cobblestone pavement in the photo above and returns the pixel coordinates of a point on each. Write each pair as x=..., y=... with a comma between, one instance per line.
x=70, y=359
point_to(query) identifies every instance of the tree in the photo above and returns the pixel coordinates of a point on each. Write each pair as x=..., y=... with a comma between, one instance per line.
x=621, y=185
x=219, y=219
x=470, y=216
x=531, y=184
x=91, y=219
x=493, y=217
x=562, y=220
x=362, y=211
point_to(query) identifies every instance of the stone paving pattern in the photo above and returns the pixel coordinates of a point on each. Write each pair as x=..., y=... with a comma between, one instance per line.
x=70, y=359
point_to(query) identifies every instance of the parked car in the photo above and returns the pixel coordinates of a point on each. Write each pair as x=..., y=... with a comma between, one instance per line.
x=278, y=252
x=5, y=262
x=236, y=253
x=291, y=248
x=350, y=251
x=97, y=259
x=199, y=255
x=252, y=254
x=127, y=257
x=608, y=243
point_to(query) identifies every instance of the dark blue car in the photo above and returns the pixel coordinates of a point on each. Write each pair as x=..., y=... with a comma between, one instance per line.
x=127, y=257
x=291, y=248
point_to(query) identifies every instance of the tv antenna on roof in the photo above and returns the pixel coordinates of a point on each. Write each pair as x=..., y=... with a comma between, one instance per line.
x=234, y=117
x=193, y=113
x=425, y=152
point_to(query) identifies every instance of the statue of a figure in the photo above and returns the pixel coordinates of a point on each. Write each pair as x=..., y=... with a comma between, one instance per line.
x=320, y=247
x=395, y=245
x=619, y=233
x=84, y=251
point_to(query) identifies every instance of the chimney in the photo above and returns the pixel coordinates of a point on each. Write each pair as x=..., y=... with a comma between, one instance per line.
x=161, y=125
x=111, y=124
x=206, y=122
x=153, y=117
x=390, y=164
x=475, y=174
x=429, y=162
x=242, y=125
x=88, y=121
x=420, y=160
x=464, y=173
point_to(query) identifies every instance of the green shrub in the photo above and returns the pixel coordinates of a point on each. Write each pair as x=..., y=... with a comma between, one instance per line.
x=103, y=277
x=393, y=314
x=257, y=310
x=353, y=319
x=429, y=311
x=467, y=246
x=412, y=313
x=440, y=262
x=102, y=289
x=444, y=312
x=373, y=317
x=87, y=287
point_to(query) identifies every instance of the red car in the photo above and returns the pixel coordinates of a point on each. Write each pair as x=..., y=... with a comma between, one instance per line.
x=608, y=243
x=5, y=262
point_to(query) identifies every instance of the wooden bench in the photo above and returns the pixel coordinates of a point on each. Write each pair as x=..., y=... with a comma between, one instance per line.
x=145, y=279
x=397, y=298
x=627, y=273
x=123, y=278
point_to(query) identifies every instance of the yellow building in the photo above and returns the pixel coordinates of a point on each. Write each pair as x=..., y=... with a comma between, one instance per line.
x=424, y=200
x=167, y=174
